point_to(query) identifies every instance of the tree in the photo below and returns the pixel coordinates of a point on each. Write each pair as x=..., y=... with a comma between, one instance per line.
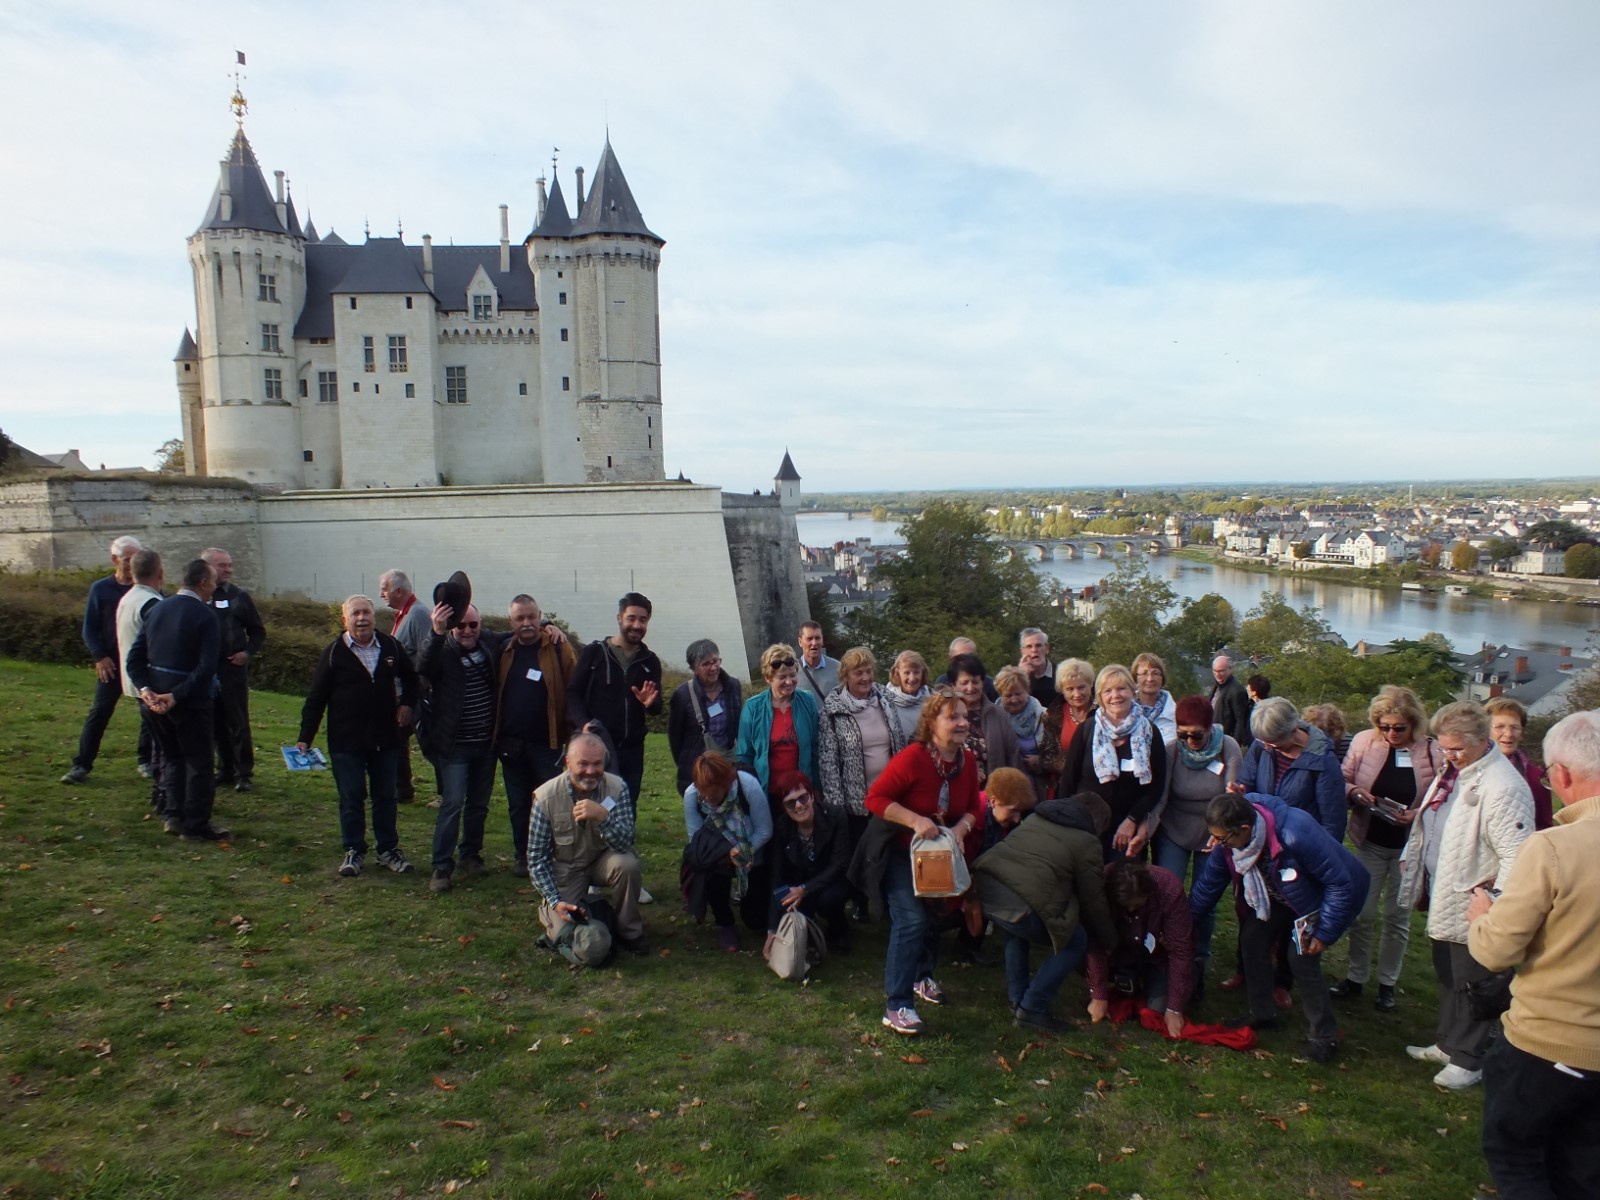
x=5, y=449
x=1501, y=550
x=1275, y=627
x=1204, y=625
x=1302, y=550
x=1583, y=561
x=1430, y=553
x=1560, y=534
x=170, y=459
x=1132, y=604
x=1464, y=557
x=880, y=513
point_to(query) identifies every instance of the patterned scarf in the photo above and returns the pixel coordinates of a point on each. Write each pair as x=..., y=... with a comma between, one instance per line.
x=733, y=823
x=1247, y=863
x=1199, y=760
x=1153, y=710
x=946, y=771
x=1136, y=728
x=1029, y=723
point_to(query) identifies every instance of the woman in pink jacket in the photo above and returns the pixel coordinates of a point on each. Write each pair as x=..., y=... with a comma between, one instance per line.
x=1387, y=771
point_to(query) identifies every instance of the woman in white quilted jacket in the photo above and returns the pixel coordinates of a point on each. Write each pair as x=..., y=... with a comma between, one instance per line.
x=1472, y=821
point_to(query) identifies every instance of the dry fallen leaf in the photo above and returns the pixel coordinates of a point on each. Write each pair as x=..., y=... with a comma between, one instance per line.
x=916, y=1060
x=1095, y=1187
x=344, y=1118
x=1206, y=1116
x=923, y=1112
x=960, y=1147
x=1282, y=1125
x=458, y=1124
x=442, y=1085
x=1004, y=1065
x=466, y=939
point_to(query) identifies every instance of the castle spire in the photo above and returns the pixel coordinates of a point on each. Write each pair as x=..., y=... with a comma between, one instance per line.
x=556, y=222
x=610, y=206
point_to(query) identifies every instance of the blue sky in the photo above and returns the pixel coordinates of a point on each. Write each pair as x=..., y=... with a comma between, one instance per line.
x=919, y=244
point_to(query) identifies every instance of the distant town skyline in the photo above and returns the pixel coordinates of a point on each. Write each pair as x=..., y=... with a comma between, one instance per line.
x=919, y=247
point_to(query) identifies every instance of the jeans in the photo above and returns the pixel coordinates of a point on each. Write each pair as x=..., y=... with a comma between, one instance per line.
x=913, y=939
x=1257, y=939
x=351, y=771
x=828, y=905
x=236, y=753
x=101, y=707
x=468, y=778
x=1383, y=865
x=525, y=768
x=1541, y=1127
x=1035, y=994
x=1172, y=857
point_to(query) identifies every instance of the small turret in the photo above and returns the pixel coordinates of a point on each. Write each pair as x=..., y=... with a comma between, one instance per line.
x=786, y=483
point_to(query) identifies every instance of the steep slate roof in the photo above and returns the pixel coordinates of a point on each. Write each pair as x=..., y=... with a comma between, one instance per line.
x=556, y=222
x=786, y=471
x=294, y=220
x=333, y=239
x=382, y=268
x=454, y=267
x=311, y=228
x=609, y=206
x=187, y=350
x=253, y=207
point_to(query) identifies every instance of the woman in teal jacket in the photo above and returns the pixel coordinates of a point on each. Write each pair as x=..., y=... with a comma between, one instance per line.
x=778, y=727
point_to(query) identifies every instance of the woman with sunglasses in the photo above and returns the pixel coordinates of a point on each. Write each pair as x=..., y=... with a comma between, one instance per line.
x=810, y=856
x=778, y=727
x=1201, y=762
x=1466, y=835
x=1387, y=772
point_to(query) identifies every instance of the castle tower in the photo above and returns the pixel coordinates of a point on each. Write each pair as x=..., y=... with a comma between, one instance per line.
x=553, y=258
x=248, y=258
x=786, y=484
x=615, y=330
x=186, y=365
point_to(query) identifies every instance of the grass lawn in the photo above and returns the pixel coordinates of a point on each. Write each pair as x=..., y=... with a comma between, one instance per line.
x=238, y=1021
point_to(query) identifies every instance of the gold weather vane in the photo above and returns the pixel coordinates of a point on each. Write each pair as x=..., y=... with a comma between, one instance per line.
x=238, y=103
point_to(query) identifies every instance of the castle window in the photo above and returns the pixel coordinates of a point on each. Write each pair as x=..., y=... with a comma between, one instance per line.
x=563, y=335
x=397, y=353
x=352, y=301
x=266, y=287
x=369, y=362
x=328, y=387
x=321, y=341
x=355, y=387
x=411, y=391
x=305, y=455
x=303, y=391
x=455, y=385
x=650, y=441
x=408, y=301
x=269, y=338
x=522, y=389
x=563, y=298
x=608, y=462
x=566, y=383
x=272, y=383
x=483, y=308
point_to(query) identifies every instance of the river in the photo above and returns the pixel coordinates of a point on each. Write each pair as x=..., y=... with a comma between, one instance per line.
x=1355, y=612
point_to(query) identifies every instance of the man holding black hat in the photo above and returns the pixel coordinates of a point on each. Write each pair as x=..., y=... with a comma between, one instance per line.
x=616, y=683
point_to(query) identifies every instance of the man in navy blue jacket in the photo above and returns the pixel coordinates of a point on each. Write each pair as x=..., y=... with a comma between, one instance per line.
x=100, y=636
x=173, y=663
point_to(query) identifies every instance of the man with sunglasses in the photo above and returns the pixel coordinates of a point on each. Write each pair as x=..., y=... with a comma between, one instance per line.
x=459, y=663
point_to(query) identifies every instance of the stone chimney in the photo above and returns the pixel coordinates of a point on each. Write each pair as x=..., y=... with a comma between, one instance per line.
x=225, y=198
x=543, y=198
x=579, y=174
x=505, y=239
x=283, y=211
x=1522, y=665
x=1566, y=652
x=427, y=260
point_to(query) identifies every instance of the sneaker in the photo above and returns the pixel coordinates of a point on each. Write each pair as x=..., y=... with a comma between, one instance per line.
x=645, y=897
x=1428, y=1054
x=1321, y=1052
x=728, y=938
x=436, y=802
x=1456, y=1078
x=207, y=833
x=352, y=863
x=394, y=860
x=1345, y=989
x=440, y=882
x=146, y=771
x=929, y=992
x=903, y=1020
x=1260, y=1024
x=75, y=775
x=1034, y=1019
x=1384, y=1000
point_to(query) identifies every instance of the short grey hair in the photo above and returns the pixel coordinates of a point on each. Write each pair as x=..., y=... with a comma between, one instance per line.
x=1273, y=719
x=211, y=552
x=1032, y=631
x=585, y=738
x=699, y=650
x=349, y=600
x=962, y=645
x=395, y=578
x=1574, y=742
x=1464, y=719
x=125, y=545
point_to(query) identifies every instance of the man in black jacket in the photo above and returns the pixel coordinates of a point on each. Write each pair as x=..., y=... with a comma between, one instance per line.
x=459, y=665
x=368, y=687
x=616, y=683
x=100, y=636
x=242, y=636
x=1230, y=702
x=173, y=663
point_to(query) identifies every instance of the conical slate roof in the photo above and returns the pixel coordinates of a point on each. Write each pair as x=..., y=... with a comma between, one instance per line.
x=557, y=223
x=253, y=206
x=333, y=239
x=293, y=218
x=786, y=472
x=187, y=350
x=609, y=206
x=311, y=228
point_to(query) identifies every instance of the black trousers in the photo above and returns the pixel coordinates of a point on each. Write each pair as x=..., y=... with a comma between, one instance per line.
x=101, y=707
x=236, y=756
x=185, y=737
x=1541, y=1127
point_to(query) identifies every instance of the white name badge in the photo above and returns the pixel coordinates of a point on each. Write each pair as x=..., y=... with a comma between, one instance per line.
x=220, y=603
x=1215, y=768
x=534, y=674
x=1150, y=942
x=1288, y=874
x=715, y=710
x=1126, y=766
x=1402, y=758
x=608, y=804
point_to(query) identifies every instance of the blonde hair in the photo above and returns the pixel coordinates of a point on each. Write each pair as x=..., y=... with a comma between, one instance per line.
x=1394, y=700
x=1505, y=704
x=1010, y=679
x=913, y=658
x=856, y=656
x=1073, y=670
x=1110, y=672
x=772, y=654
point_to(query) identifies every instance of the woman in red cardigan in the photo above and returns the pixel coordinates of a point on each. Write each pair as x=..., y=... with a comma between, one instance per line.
x=932, y=783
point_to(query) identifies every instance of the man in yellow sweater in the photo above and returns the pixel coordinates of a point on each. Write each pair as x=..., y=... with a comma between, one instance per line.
x=1541, y=1110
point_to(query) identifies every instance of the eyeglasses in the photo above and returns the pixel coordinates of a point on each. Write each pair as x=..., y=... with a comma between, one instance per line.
x=1454, y=751
x=471, y=624
x=1400, y=728
x=1194, y=738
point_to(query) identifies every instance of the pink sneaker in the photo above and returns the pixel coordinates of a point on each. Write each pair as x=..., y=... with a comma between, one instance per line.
x=903, y=1020
x=929, y=992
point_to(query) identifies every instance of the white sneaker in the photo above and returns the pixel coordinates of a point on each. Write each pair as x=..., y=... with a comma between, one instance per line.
x=928, y=991
x=645, y=897
x=351, y=864
x=394, y=860
x=1429, y=1054
x=903, y=1020
x=1457, y=1077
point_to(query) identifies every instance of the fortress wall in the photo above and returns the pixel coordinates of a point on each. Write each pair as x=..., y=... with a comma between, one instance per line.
x=767, y=572
x=668, y=541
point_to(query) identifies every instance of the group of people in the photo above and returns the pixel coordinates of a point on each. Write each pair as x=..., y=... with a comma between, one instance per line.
x=1101, y=819
x=184, y=659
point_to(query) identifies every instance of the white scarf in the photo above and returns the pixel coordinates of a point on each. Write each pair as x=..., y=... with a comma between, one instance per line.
x=1136, y=728
x=1246, y=862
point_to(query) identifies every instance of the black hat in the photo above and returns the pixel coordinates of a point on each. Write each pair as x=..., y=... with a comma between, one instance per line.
x=457, y=593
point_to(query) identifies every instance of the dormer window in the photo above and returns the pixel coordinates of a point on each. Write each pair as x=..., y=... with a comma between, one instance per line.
x=483, y=307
